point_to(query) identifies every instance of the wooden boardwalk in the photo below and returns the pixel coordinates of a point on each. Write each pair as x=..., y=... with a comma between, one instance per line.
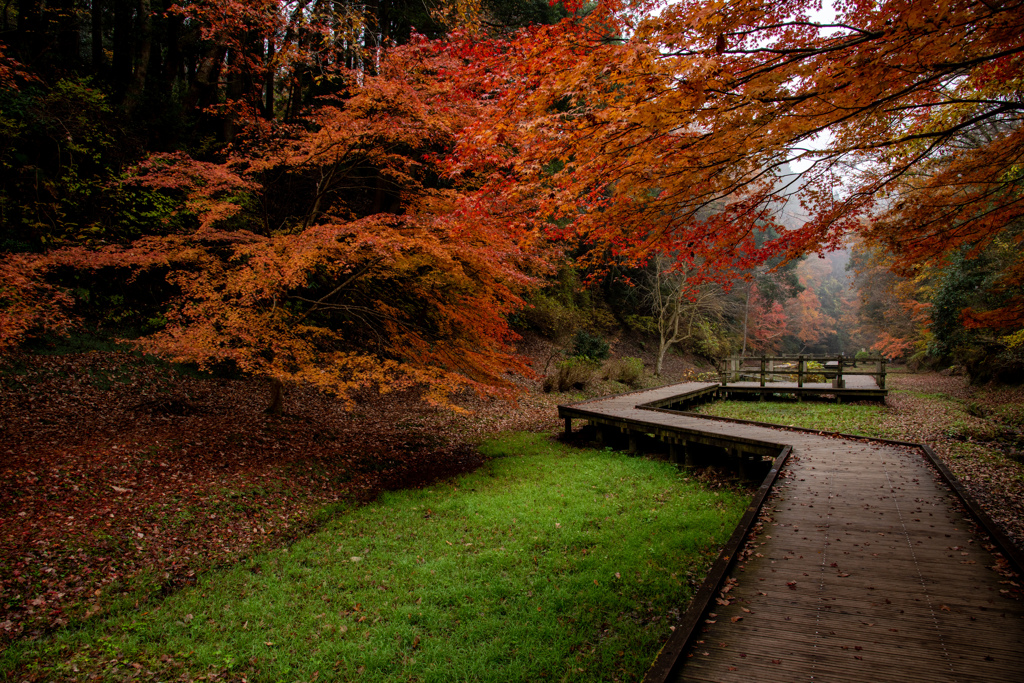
x=866, y=568
x=857, y=387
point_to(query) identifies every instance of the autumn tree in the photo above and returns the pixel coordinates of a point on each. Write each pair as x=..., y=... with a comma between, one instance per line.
x=895, y=311
x=328, y=253
x=625, y=144
x=684, y=311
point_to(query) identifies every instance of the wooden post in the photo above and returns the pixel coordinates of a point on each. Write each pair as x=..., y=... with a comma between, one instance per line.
x=838, y=383
x=763, y=364
x=688, y=462
x=881, y=370
x=801, y=365
x=568, y=426
x=632, y=443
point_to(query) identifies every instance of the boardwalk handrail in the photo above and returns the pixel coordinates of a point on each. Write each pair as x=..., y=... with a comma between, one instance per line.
x=765, y=366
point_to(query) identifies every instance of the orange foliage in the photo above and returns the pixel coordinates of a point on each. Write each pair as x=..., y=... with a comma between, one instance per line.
x=670, y=142
x=415, y=292
x=767, y=323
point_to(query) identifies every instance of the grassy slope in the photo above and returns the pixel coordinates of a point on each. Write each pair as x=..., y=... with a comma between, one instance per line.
x=548, y=562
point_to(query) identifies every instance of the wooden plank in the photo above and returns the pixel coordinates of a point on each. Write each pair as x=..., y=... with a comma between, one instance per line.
x=911, y=585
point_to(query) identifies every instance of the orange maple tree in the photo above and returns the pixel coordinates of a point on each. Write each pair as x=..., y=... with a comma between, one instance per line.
x=328, y=253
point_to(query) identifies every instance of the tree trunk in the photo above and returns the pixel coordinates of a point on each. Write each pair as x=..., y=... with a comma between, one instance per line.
x=662, y=349
x=68, y=35
x=746, y=313
x=123, y=46
x=29, y=36
x=268, y=82
x=97, y=35
x=142, y=59
x=276, y=406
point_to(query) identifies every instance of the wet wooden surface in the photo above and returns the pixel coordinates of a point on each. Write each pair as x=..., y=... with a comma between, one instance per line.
x=866, y=569
x=852, y=382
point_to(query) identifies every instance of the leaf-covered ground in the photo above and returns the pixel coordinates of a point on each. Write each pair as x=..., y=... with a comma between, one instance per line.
x=978, y=431
x=122, y=479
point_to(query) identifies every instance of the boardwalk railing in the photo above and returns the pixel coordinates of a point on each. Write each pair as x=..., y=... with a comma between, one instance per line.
x=765, y=368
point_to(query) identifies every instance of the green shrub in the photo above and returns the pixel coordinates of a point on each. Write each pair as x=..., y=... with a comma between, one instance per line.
x=711, y=341
x=812, y=377
x=586, y=345
x=550, y=317
x=863, y=355
x=571, y=373
x=641, y=323
x=629, y=371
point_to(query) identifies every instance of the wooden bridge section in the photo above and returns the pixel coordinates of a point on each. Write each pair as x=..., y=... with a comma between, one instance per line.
x=840, y=377
x=866, y=566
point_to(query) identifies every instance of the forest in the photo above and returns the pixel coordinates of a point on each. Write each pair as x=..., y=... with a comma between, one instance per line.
x=292, y=291
x=389, y=194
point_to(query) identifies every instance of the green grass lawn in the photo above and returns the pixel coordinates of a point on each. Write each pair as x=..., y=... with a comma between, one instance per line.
x=860, y=419
x=548, y=563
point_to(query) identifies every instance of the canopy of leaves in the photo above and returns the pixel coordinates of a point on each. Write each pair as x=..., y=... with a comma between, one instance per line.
x=347, y=202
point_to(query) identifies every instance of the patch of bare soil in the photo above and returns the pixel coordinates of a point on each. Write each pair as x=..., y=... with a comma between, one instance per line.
x=122, y=480
x=977, y=431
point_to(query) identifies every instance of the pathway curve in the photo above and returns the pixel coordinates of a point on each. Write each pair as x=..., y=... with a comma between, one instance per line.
x=866, y=569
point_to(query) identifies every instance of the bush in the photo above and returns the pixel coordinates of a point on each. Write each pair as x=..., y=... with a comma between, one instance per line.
x=641, y=323
x=863, y=355
x=550, y=317
x=586, y=345
x=711, y=341
x=812, y=376
x=629, y=371
x=571, y=373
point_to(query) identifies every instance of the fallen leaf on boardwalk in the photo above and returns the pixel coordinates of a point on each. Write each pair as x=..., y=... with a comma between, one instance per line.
x=791, y=584
x=843, y=574
x=776, y=661
x=944, y=608
x=745, y=610
x=735, y=619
